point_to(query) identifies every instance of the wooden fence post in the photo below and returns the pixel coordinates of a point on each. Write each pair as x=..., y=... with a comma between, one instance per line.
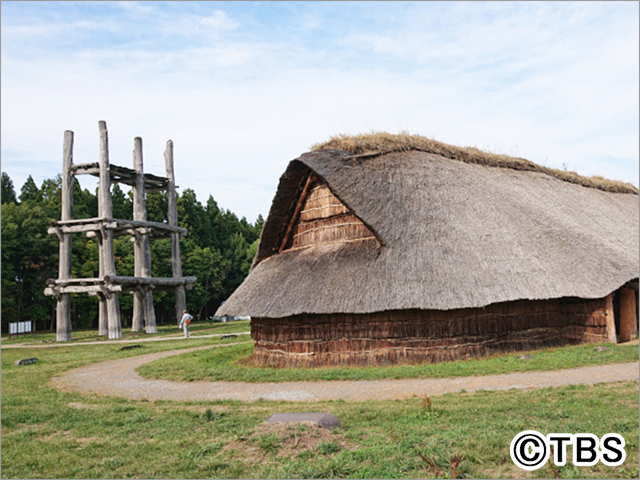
x=106, y=248
x=176, y=264
x=63, y=308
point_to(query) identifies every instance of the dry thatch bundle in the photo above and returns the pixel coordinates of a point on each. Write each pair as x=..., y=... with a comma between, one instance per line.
x=420, y=230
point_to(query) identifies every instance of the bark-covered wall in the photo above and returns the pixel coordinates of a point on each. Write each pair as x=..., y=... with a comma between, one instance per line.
x=414, y=336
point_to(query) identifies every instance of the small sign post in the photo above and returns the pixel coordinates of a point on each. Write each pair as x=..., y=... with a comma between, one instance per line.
x=17, y=328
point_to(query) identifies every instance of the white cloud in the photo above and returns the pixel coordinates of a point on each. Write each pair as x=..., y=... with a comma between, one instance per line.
x=220, y=20
x=239, y=104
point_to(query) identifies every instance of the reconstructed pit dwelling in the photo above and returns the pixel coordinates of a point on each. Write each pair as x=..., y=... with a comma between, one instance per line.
x=386, y=249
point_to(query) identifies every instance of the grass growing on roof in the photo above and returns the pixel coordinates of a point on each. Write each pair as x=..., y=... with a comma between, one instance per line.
x=382, y=142
x=51, y=434
x=233, y=364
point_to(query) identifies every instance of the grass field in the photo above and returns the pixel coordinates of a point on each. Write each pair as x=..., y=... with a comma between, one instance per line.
x=51, y=434
x=196, y=328
x=233, y=364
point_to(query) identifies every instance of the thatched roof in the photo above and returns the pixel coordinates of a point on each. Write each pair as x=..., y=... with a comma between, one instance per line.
x=381, y=142
x=450, y=234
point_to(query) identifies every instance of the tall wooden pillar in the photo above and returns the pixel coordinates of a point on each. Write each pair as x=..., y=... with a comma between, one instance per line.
x=63, y=308
x=628, y=310
x=142, y=298
x=138, y=214
x=106, y=246
x=610, y=318
x=176, y=265
x=103, y=315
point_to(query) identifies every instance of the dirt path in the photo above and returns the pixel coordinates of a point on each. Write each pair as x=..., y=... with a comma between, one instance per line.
x=107, y=342
x=119, y=378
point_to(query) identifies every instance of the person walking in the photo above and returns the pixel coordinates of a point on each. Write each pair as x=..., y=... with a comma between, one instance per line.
x=185, y=321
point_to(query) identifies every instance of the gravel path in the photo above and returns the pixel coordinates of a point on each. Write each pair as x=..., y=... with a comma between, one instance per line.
x=119, y=378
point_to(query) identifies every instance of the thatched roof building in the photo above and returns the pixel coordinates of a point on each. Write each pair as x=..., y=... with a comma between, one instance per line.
x=363, y=234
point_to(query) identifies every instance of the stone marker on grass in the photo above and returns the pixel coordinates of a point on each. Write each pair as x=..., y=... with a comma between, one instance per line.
x=323, y=419
x=131, y=347
x=26, y=361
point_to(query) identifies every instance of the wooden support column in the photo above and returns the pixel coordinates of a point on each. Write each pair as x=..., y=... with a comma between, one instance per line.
x=63, y=308
x=628, y=311
x=176, y=265
x=103, y=315
x=143, y=298
x=106, y=249
x=610, y=318
x=138, y=254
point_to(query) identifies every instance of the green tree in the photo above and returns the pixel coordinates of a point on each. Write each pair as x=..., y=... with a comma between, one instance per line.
x=8, y=194
x=29, y=191
x=122, y=204
x=219, y=250
x=29, y=257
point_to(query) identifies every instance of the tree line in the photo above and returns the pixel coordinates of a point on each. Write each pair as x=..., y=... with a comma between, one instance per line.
x=218, y=250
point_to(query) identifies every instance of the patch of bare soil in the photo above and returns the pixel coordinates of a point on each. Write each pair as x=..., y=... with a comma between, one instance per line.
x=505, y=471
x=68, y=436
x=288, y=440
x=84, y=406
x=628, y=403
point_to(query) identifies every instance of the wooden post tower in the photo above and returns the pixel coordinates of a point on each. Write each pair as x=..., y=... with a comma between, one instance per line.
x=104, y=228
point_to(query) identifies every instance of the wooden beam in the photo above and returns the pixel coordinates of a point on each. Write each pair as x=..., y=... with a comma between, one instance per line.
x=63, y=307
x=58, y=290
x=98, y=223
x=122, y=280
x=610, y=319
x=628, y=315
x=296, y=212
x=157, y=281
x=137, y=320
x=74, y=281
x=113, y=304
x=172, y=214
x=119, y=174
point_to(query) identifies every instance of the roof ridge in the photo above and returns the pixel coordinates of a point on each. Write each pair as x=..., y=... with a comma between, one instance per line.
x=380, y=143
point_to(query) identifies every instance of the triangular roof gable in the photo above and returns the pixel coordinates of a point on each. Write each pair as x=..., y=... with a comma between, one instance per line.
x=306, y=211
x=320, y=217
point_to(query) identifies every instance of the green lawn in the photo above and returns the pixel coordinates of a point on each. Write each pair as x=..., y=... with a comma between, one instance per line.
x=233, y=364
x=51, y=434
x=196, y=328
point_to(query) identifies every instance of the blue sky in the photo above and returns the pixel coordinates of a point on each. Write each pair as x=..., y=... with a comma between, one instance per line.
x=244, y=87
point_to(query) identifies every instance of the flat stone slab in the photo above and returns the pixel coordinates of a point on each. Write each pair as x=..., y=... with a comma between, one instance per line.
x=26, y=361
x=131, y=347
x=323, y=419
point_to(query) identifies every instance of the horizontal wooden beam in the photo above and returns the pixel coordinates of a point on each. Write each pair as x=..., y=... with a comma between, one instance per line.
x=74, y=281
x=122, y=280
x=90, y=289
x=96, y=224
x=115, y=283
x=121, y=175
x=168, y=281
